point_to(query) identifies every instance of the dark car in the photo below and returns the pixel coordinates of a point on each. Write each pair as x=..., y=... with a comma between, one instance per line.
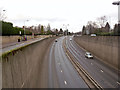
x=55, y=40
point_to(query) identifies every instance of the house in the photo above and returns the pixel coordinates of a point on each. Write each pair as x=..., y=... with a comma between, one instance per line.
x=117, y=29
x=106, y=28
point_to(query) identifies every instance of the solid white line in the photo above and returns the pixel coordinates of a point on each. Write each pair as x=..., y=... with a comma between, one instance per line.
x=65, y=82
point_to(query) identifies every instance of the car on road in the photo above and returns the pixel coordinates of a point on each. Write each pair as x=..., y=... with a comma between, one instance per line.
x=88, y=55
x=70, y=39
x=93, y=35
x=55, y=40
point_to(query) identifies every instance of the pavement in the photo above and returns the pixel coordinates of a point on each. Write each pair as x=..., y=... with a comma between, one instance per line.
x=14, y=45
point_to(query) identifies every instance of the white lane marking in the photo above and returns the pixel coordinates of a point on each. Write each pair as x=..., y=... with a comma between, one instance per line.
x=22, y=85
x=118, y=83
x=91, y=63
x=101, y=70
x=65, y=82
x=61, y=71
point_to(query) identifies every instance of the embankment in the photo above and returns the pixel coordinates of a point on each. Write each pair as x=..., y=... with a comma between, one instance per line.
x=104, y=47
x=22, y=68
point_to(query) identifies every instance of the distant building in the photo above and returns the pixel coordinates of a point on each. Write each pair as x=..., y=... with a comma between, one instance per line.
x=48, y=27
x=117, y=29
x=106, y=28
x=89, y=29
x=83, y=30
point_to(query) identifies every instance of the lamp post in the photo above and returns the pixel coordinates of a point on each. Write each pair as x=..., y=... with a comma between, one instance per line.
x=1, y=20
x=24, y=30
x=2, y=15
x=24, y=25
x=4, y=10
x=117, y=3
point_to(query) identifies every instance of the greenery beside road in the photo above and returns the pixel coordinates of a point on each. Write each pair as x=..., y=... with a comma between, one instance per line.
x=105, y=34
x=8, y=29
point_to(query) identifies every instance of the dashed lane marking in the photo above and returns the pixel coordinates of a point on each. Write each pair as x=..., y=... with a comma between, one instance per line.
x=101, y=71
x=61, y=71
x=65, y=82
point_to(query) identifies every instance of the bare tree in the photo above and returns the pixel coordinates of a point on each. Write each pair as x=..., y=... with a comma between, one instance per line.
x=102, y=21
x=93, y=24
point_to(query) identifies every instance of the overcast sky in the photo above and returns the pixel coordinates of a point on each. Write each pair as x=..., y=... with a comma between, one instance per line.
x=76, y=13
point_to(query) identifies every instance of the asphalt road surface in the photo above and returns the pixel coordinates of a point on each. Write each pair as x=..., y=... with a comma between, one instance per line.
x=105, y=76
x=62, y=74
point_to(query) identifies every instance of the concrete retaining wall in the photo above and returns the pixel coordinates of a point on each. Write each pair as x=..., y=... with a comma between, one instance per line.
x=22, y=68
x=104, y=47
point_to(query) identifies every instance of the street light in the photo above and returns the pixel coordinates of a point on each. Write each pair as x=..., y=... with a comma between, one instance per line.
x=24, y=29
x=24, y=25
x=117, y=3
x=4, y=10
x=2, y=16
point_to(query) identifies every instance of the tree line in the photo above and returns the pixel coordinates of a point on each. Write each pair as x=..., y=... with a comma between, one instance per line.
x=8, y=29
x=101, y=27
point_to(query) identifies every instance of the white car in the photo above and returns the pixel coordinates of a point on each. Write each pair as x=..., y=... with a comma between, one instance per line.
x=93, y=35
x=70, y=39
x=88, y=55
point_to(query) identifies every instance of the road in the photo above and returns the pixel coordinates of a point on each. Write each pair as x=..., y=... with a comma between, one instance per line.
x=104, y=75
x=62, y=74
